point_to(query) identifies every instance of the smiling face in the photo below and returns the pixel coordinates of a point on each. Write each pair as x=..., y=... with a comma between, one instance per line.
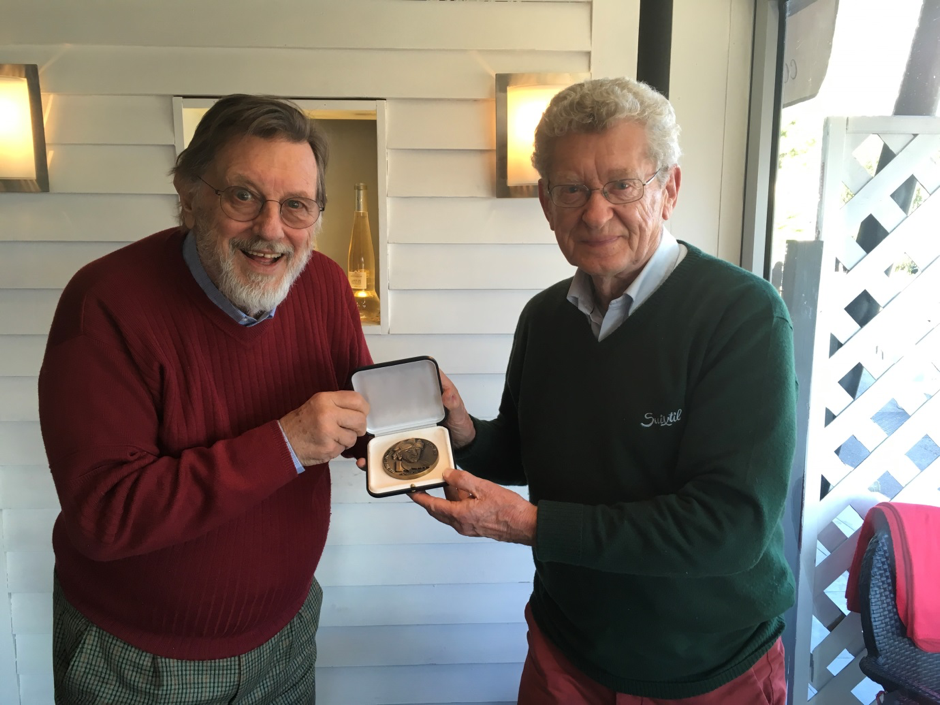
x=253, y=263
x=611, y=243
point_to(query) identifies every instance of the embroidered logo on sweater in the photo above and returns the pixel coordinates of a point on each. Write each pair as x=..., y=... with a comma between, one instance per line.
x=669, y=419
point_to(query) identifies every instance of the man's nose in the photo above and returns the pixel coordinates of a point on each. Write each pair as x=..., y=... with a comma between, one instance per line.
x=597, y=210
x=268, y=223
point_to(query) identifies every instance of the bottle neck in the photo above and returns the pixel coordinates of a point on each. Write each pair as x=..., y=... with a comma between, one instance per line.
x=360, y=200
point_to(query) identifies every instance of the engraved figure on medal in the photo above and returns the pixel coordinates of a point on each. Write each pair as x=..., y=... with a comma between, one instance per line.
x=410, y=459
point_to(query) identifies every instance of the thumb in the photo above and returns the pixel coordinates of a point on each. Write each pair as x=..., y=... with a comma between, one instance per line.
x=462, y=480
x=451, y=399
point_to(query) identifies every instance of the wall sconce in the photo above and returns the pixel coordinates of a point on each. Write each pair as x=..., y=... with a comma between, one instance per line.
x=521, y=98
x=22, y=138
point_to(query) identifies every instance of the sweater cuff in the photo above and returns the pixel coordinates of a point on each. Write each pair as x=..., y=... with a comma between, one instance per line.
x=558, y=532
x=298, y=466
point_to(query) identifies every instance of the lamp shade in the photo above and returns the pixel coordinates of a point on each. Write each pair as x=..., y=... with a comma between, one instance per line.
x=22, y=141
x=521, y=98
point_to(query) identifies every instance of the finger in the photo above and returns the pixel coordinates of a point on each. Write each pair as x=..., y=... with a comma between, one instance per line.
x=423, y=499
x=361, y=463
x=355, y=421
x=440, y=509
x=452, y=401
x=449, y=394
x=346, y=399
x=345, y=438
x=463, y=480
x=325, y=451
x=452, y=494
x=445, y=381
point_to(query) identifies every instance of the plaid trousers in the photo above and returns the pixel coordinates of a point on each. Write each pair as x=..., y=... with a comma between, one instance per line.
x=93, y=667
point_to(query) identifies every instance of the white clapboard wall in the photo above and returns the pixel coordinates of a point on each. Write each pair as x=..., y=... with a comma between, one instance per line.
x=413, y=613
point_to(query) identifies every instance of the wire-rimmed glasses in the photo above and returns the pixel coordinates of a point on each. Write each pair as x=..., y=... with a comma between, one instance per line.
x=244, y=205
x=618, y=192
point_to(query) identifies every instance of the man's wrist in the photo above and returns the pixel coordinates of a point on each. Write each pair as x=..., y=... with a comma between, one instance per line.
x=298, y=466
x=466, y=438
x=527, y=526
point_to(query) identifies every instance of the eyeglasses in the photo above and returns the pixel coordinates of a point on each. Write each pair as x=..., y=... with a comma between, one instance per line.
x=618, y=192
x=243, y=204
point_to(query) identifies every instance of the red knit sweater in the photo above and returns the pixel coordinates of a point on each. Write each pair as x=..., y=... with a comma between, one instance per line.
x=185, y=529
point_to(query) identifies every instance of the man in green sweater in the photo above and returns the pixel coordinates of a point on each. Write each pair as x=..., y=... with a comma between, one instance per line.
x=649, y=406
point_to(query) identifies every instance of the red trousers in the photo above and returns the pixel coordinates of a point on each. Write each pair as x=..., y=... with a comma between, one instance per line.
x=548, y=678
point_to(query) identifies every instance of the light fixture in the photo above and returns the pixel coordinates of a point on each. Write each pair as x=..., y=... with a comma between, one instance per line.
x=22, y=139
x=521, y=98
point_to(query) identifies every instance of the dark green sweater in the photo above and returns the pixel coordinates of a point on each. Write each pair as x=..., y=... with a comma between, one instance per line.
x=659, y=460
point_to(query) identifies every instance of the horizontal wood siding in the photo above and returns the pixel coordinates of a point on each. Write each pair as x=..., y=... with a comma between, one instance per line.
x=443, y=267
x=352, y=24
x=98, y=119
x=60, y=217
x=469, y=221
x=299, y=73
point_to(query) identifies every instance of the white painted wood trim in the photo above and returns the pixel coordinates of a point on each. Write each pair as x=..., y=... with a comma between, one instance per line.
x=179, y=139
x=734, y=153
x=615, y=28
x=698, y=90
x=352, y=24
x=9, y=690
x=381, y=144
x=353, y=73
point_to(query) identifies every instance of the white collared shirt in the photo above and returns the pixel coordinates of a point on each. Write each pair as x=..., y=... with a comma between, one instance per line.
x=581, y=292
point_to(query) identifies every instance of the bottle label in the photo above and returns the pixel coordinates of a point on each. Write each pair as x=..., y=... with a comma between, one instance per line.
x=357, y=280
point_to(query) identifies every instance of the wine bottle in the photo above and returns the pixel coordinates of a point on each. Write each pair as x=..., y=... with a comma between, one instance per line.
x=361, y=262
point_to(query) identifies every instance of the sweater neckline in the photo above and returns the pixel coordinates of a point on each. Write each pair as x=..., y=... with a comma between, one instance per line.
x=244, y=335
x=679, y=274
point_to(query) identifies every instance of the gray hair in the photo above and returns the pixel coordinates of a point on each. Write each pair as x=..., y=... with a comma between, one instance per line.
x=237, y=116
x=597, y=105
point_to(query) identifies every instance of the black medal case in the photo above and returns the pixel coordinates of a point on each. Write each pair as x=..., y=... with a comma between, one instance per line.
x=404, y=403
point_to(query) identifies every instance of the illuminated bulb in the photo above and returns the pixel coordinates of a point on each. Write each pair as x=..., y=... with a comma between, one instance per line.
x=16, y=133
x=524, y=105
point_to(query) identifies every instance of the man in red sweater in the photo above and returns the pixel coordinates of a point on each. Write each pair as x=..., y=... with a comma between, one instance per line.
x=191, y=396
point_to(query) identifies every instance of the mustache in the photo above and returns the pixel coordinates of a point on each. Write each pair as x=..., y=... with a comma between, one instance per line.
x=257, y=244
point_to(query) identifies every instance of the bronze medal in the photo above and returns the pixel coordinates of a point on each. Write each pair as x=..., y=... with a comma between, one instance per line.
x=410, y=459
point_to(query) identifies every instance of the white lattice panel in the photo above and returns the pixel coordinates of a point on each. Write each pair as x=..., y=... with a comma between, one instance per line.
x=874, y=419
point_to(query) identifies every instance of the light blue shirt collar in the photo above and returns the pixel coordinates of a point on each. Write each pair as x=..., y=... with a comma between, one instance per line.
x=667, y=256
x=191, y=256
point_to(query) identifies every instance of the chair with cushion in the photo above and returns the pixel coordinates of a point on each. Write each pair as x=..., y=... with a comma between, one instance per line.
x=907, y=673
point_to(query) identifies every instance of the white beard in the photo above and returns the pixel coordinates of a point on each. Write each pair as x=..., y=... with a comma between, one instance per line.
x=251, y=292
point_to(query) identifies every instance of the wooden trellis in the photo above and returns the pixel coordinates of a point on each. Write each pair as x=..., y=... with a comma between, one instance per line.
x=873, y=422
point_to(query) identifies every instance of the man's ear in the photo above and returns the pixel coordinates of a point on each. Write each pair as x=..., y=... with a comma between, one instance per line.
x=671, y=191
x=187, y=194
x=546, y=202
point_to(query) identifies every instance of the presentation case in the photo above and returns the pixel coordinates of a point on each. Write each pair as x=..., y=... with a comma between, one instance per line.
x=404, y=403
